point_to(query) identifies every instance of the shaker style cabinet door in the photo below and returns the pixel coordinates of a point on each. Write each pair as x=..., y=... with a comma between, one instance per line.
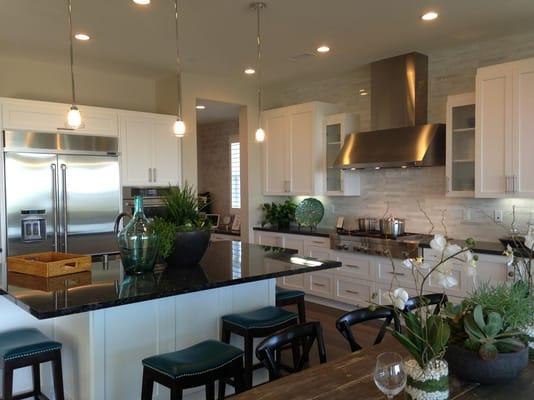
x=276, y=153
x=493, y=131
x=136, y=145
x=166, y=165
x=523, y=129
x=301, y=148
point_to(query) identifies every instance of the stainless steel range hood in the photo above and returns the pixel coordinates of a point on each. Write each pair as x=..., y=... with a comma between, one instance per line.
x=400, y=135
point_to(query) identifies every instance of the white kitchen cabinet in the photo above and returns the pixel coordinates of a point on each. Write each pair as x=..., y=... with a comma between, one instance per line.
x=354, y=291
x=44, y=116
x=339, y=182
x=321, y=283
x=150, y=151
x=221, y=237
x=523, y=128
x=293, y=160
x=505, y=130
x=268, y=238
x=460, y=165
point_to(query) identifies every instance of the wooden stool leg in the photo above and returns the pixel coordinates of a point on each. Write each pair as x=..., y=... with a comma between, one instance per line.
x=225, y=335
x=148, y=386
x=210, y=391
x=249, y=366
x=36, y=373
x=238, y=377
x=222, y=389
x=57, y=370
x=301, y=305
x=8, y=383
x=176, y=393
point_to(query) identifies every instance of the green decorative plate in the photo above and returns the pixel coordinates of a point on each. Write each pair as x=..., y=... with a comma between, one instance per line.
x=309, y=212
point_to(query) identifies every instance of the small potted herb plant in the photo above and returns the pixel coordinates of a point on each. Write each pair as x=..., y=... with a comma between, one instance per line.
x=279, y=215
x=486, y=345
x=184, y=233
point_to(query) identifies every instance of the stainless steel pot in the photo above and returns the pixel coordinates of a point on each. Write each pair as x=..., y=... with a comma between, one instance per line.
x=367, y=224
x=392, y=227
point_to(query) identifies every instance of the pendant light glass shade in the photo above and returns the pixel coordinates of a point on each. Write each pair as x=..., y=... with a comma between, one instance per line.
x=74, y=118
x=179, y=128
x=260, y=135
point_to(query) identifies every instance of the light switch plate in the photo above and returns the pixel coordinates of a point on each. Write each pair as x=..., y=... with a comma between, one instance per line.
x=497, y=216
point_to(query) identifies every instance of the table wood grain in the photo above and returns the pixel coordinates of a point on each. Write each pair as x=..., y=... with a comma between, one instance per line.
x=351, y=377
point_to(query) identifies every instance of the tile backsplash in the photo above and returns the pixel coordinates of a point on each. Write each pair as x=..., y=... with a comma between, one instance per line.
x=403, y=193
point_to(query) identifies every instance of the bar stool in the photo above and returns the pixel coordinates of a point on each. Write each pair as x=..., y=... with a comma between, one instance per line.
x=286, y=297
x=255, y=324
x=29, y=347
x=198, y=365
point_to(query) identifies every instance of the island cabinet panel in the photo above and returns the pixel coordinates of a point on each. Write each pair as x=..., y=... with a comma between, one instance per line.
x=150, y=150
x=293, y=152
x=51, y=117
x=103, y=349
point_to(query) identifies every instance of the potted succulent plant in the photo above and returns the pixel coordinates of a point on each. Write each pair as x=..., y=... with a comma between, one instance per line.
x=279, y=215
x=484, y=349
x=184, y=233
x=426, y=332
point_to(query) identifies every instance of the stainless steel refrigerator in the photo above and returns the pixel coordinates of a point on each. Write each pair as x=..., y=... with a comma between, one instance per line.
x=62, y=192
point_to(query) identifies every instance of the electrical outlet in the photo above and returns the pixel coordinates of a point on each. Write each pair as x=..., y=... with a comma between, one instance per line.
x=497, y=216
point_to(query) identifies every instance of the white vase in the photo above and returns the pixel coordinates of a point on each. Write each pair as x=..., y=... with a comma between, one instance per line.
x=430, y=383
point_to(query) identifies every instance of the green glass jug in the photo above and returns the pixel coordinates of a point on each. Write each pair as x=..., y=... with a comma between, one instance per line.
x=138, y=242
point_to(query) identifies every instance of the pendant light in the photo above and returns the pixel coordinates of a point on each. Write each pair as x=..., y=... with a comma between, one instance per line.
x=179, y=126
x=258, y=6
x=74, y=118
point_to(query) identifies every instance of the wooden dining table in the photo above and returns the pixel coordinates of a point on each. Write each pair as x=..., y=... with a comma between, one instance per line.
x=351, y=377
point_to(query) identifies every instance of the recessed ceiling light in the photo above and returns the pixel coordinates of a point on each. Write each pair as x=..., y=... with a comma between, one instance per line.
x=377, y=168
x=429, y=16
x=82, y=36
x=142, y=2
x=363, y=92
x=323, y=49
x=201, y=107
x=250, y=71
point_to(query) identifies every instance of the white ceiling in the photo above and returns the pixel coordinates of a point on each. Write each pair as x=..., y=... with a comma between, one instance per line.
x=217, y=111
x=219, y=35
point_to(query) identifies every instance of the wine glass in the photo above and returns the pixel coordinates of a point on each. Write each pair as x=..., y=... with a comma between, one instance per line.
x=390, y=376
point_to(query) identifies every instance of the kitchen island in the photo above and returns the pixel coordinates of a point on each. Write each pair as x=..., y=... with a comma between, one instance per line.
x=109, y=322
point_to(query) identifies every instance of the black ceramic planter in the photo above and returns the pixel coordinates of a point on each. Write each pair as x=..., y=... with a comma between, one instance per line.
x=189, y=248
x=467, y=365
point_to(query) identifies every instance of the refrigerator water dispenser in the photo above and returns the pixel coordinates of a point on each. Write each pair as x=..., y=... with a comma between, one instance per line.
x=33, y=225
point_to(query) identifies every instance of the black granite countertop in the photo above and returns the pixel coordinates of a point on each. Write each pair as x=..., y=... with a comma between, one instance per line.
x=295, y=230
x=225, y=232
x=225, y=263
x=492, y=248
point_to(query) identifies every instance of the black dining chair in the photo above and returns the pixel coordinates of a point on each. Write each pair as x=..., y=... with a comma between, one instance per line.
x=345, y=323
x=433, y=299
x=300, y=338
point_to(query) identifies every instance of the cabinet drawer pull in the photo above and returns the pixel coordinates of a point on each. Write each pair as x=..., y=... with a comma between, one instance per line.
x=397, y=273
x=317, y=242
x=319, y=284
x=352, y=266
x=352, y=292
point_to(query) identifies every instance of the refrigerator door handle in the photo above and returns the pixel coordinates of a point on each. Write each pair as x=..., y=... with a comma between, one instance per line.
x=55, y=204
x=65, y=224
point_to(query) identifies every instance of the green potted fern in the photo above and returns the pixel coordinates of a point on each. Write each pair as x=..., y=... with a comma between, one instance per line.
x=184, y=233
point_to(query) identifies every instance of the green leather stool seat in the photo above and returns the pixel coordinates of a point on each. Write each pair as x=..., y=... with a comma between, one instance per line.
x=195, y=360
x=26, y=342
x=261, y=318
x=286, y=294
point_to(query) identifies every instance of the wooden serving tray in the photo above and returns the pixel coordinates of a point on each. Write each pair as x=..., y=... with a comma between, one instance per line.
x=49, y=264
x=63, y=282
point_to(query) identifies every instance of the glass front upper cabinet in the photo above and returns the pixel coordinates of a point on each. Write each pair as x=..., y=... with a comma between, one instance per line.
x=338, y=182
x=460, y=176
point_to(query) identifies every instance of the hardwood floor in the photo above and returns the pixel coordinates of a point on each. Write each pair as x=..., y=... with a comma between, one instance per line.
x=336, y=345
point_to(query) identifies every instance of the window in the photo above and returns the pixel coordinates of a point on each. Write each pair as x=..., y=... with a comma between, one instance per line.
x=235, y=179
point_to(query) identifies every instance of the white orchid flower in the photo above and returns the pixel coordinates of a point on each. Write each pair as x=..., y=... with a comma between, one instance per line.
x=471, y=260
x=451, y=249
x=509, y=253
x=444, y=276
x=438, y=243
x=398, y=297
x=417, y=263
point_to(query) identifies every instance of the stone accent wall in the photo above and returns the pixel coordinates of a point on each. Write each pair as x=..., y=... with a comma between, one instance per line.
x=213, y=147
x=451, y=71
